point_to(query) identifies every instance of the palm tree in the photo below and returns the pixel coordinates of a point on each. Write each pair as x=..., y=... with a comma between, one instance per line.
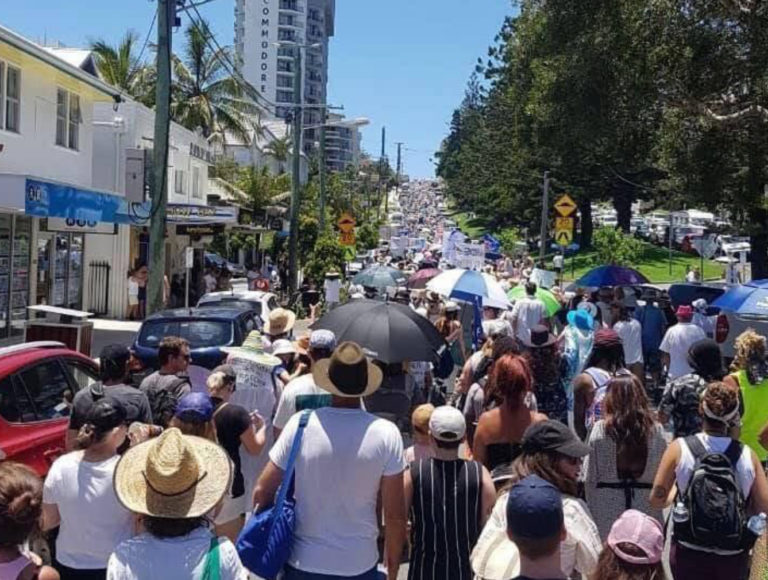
x=206, y=95
x=120, y=67
x=280, y=151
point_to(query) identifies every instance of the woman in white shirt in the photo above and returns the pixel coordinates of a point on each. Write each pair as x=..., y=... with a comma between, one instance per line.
x=79, y=497
x=631, y=334
x=553, y=452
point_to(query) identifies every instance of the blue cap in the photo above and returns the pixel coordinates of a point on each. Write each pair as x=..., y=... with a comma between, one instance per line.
x=194, y=408
x=534, y=509
x=322, y=340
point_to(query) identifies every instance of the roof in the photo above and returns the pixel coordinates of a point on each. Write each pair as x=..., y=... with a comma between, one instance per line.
x=14, y=359
x=251, y=295
x=77, y=57
x=197, y=314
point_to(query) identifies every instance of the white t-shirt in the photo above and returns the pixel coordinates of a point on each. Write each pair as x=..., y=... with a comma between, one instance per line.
x=332, y=287
x=745, y=469
x=93, y=521
x=676, y=343
x=631, y=334
x=210, y=282
x=344, y=454
x=183, y=558
x=309, y=395
x=557, y=261
x=133, y=287
x=528, y=312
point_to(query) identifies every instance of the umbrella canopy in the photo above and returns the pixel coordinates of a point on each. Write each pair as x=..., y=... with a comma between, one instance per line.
x=551, y=303
x=469, y=284
x=419, y=279
x=388, y=331
x=611, y=276
x=380, y=277
x=746, y=299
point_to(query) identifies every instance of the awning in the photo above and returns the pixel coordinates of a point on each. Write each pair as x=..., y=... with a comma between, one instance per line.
x=48, y=199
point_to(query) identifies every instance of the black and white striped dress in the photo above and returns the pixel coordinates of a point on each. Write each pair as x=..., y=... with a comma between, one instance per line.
x=445, y=516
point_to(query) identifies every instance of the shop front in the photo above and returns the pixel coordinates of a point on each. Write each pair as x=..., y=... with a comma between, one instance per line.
x=15, y=273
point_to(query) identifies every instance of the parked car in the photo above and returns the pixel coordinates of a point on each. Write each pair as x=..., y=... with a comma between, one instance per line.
x=731, y=324
x=214, y=260
x=730, y=245
x=206, y=330
x=38, y=381
x=261, y=302
x=238, y=270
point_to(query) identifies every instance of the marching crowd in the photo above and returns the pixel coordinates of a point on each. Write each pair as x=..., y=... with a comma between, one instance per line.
x=574, y=444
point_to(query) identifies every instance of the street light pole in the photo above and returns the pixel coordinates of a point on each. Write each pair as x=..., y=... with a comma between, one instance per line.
x=293, y=242
x=322, y=174
x=544, y=217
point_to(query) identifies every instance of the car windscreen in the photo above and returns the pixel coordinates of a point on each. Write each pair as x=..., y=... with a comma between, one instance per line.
x=232, y=303
x=199, y=333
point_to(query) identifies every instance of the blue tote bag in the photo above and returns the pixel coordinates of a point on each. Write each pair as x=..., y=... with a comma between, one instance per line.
x=264, y=544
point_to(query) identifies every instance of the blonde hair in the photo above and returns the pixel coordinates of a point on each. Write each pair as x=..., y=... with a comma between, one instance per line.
x=216, y=383
x=206, y=430
x=747, y=344
x=421, y=415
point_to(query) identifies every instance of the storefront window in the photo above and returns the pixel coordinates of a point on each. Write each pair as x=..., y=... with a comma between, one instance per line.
x=5, y=271
x=75, y=283
x=22, y=235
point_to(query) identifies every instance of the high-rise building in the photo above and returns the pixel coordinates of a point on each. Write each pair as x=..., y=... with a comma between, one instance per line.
x=264, y=30
x=342, y=144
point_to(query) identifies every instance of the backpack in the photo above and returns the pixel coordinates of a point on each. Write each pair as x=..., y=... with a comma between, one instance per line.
x=163, y=402
x=716, y=506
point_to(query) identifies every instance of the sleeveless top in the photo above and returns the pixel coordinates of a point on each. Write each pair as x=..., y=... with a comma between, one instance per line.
x=600, y=379
x=501, y=453
x=755, y=412
x=11, y=570
x=446, y=512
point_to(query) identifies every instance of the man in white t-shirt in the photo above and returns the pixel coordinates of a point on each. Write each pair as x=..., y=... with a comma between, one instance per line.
x=210, y=281
x=347, y=458
x=527, y=313
x=677, y=341
x=302, y=392
x=631, y=334
x=332, y=287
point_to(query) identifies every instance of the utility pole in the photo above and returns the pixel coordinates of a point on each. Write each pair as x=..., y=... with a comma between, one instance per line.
x=322, y=171
x=166, y=16
x=381, y=171
x=544, y=216
x=293, y=245
x=399, y=167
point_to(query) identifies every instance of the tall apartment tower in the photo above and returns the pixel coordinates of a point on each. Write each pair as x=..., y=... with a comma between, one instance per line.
x=260, y=27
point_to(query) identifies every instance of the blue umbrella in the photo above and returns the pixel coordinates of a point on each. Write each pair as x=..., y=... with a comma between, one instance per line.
x=611, y=276
x=749, y=299
x=380, y=277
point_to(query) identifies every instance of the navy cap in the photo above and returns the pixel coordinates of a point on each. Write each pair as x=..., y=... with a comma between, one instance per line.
x=534, y=509
x=194, y=408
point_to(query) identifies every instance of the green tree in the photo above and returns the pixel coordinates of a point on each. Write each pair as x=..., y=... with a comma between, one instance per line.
x=367, y=236
x=205, y=95
x=120, y=67
x=280, y=151
x=613, y=246
x=326, y=255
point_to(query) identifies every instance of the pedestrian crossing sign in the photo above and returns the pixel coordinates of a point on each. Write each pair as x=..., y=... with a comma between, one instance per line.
x=563, y=230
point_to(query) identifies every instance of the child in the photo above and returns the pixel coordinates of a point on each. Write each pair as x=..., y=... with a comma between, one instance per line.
x=21, y=500
x=422, y=447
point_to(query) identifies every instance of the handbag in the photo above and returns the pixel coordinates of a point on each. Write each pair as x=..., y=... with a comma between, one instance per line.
x=264, y=544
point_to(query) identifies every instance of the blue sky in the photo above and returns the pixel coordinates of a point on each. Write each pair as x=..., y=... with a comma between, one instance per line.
x=402, y=63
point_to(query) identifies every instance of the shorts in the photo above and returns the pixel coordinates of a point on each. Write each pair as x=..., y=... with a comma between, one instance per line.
x=133, y=300
x=231, y=509
x=291, y=573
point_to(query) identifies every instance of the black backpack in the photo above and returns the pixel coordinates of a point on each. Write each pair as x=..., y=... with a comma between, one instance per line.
x=716, y=506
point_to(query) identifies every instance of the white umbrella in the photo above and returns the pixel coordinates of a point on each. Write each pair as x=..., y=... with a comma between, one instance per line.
x=468, y=284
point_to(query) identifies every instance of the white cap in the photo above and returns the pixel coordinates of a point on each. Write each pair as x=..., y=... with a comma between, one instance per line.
x=451, y=306
x=447, y=424
x=283, y=346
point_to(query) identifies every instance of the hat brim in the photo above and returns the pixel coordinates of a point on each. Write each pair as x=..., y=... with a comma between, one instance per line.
x=323, y=380
x=252, y=355
x=550, y=341
x=135, y=495
x=575, y=448
x=289, y=323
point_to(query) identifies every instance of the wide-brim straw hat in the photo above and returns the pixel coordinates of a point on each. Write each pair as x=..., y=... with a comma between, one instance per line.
x=252, y=349
x=280, y=321
x=173, y=476
x=348, y=373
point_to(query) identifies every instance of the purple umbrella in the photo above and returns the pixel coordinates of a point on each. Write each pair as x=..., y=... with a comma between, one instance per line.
x=419, y=279
x=611, y=276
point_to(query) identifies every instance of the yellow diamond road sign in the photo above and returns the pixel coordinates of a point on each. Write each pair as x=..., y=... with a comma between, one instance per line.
x=565, y=206
x=346, y=223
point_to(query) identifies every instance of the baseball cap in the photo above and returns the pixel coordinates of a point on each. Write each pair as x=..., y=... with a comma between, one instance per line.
x=194, y=408
x=116, y=353
x=106, y=414
x=227, y=370
x=684, y=312
x=447, y=424
x=552, y=435
x=640, y=531
x=322, y=340
x=534, y=509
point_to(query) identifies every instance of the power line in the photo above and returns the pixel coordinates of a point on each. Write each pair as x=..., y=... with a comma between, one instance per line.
x=146, y=38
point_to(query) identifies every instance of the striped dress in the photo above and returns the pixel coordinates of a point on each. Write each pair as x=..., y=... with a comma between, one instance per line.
x=445, y=515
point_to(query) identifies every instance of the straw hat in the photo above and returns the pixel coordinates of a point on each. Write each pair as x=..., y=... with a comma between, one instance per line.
x=347, y=373
x=173, y=476
x=252, y=349
x=280, y=321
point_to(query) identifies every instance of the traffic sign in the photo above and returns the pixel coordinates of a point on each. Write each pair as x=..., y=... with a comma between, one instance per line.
x=565, y=206
x=347, y=238
x=563, y=223
x=564, y=237
x=346, y=223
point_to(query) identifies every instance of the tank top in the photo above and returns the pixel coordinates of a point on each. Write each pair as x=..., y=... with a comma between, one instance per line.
x=755, y=412
x=446, y=512
x=11, y=570
x=600, y=380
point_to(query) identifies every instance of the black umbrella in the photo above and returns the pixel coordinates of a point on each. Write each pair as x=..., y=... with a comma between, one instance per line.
x=388, y=331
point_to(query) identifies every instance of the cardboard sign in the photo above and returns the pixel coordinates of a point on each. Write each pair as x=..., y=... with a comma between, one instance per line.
x=543, y=278
x=470, y=256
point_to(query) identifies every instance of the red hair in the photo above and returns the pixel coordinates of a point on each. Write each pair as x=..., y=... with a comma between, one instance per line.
x=510, y=380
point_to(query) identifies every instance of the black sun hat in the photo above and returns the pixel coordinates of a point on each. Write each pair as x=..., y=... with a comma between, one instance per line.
x=552, y=435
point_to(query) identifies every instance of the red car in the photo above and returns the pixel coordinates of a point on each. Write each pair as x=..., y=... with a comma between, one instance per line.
x=38, y=381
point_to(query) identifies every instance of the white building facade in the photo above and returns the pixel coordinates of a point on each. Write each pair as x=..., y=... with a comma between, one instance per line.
x=342, y=144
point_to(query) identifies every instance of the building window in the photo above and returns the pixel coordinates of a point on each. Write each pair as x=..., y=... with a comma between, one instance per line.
x=284, y=66
x=284, y=82
x=284, y=96
x=286, y=34
x=10, y=97
x=178, y=181
x=67, y=119
x=196, y=182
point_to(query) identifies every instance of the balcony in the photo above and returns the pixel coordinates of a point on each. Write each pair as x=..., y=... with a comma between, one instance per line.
x=290, y=20
x=286, y=34
x=286, y=52
x=291, y=5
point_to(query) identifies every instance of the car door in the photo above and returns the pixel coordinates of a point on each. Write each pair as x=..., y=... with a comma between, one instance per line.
x=36, y=405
